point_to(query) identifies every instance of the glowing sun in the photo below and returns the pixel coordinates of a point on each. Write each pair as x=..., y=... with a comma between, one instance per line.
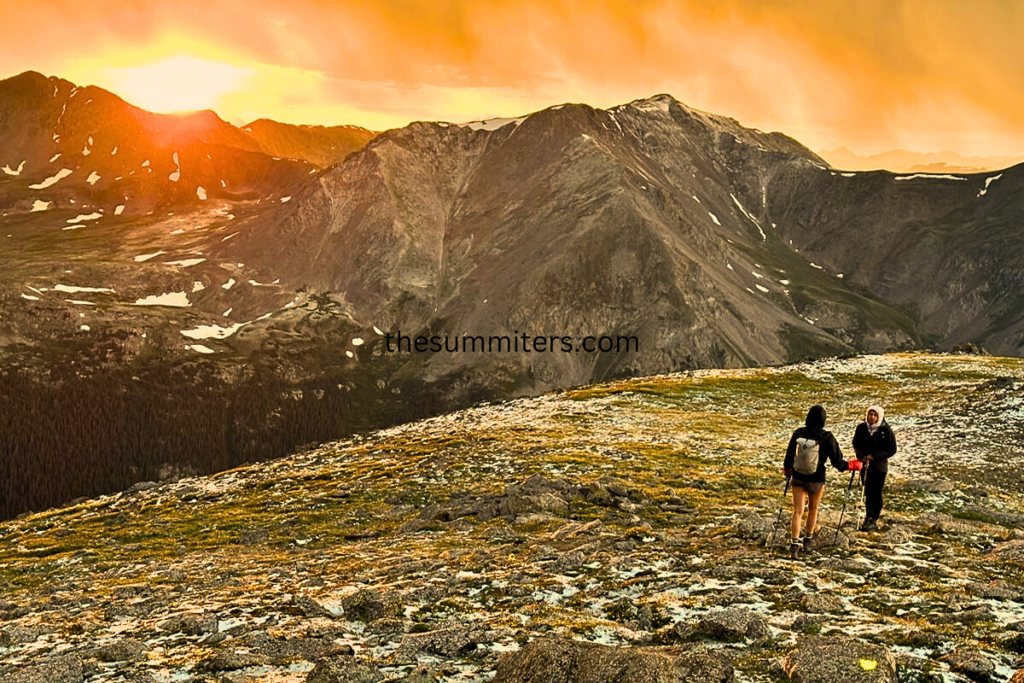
x=179, y=83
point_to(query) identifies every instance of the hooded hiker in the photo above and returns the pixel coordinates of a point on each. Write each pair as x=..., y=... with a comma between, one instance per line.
x=874, y=443
x=809, y=449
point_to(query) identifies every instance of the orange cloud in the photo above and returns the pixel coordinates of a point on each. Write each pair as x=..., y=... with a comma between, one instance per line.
x=871, y=75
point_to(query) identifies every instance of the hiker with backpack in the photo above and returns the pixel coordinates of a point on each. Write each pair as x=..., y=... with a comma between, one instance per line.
x=874, y=443
x=809, y=449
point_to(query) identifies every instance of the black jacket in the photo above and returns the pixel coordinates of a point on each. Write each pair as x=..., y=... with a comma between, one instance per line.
x=828, y=447
x=880, y=446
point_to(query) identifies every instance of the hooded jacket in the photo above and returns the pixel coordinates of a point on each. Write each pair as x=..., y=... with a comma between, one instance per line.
x=828, y=447
x=880, y=446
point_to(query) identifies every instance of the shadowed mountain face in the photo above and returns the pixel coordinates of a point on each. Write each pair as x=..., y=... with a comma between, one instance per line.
x=713, y=244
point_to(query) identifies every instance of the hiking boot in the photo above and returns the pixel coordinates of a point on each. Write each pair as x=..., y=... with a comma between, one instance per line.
x=808, y=544
x=870, y=524
x=794, y=550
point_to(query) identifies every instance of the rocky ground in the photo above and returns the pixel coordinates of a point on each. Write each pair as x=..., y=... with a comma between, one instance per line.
x=611, y=533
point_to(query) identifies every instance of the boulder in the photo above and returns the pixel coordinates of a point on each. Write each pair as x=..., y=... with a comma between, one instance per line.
x=310, y=607
x=450, y=641
x=190, y=624
x=821, y=603
x=930, y=485
x=753, y=527
x=556, y=660
x=897, y=535
x=1011, y=551
x=343, y=669
x=839, y=659
x=17, y=635
x=66, y=669
x=122, y=651
x=972, y=664
x=733, y=624
x=371, y=605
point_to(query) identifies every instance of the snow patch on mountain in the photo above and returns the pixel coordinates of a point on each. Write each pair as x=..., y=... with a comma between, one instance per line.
x=929, y=175
x=174, y=177
x=55, y=178
x=145, y=257
x=10, y=171
x=172, y=299
x=491, y=124
x=71, y=289
x=95, y=215
x=989, y=181
x=764, y=238
x=212, y=331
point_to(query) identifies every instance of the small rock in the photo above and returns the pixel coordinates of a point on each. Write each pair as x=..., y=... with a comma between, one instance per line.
x=897, y=535
x=343, y=669
x=930, y=485
x=66, y=669
x=253, y=536
x=17, y=635
x=983, y=613
x=733, y=624
x=142, y=486
x=232, y=661
x=556, y=660
x=807, y=623
x=449, y=641
x=122, y=651
x=570, y=561
x=1010, y=551
x=386, y=625
x=753, y=527
x=190, y=624
x=310, y=607
x=973, y=664
x=420, y=674
x=371, y=605
x=821, y=603
x=732, y=596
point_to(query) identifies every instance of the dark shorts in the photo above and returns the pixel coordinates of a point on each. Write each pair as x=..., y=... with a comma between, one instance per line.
x=809, y=486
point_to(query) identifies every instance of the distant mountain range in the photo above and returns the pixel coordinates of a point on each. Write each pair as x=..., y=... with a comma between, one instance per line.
x=902, y=161
x=272, y=261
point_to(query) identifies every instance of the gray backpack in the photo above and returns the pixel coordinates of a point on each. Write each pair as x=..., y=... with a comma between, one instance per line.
x=806, y=460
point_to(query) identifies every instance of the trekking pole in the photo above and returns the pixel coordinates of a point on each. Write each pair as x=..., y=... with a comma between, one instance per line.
x=846, y=500
x=862, y=497
x=778, y=518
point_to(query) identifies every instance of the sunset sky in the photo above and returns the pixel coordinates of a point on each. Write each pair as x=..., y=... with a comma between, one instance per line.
x=871, y=76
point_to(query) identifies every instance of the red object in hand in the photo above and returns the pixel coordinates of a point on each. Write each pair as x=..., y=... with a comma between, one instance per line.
x=854, y=465
x=788, y=473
